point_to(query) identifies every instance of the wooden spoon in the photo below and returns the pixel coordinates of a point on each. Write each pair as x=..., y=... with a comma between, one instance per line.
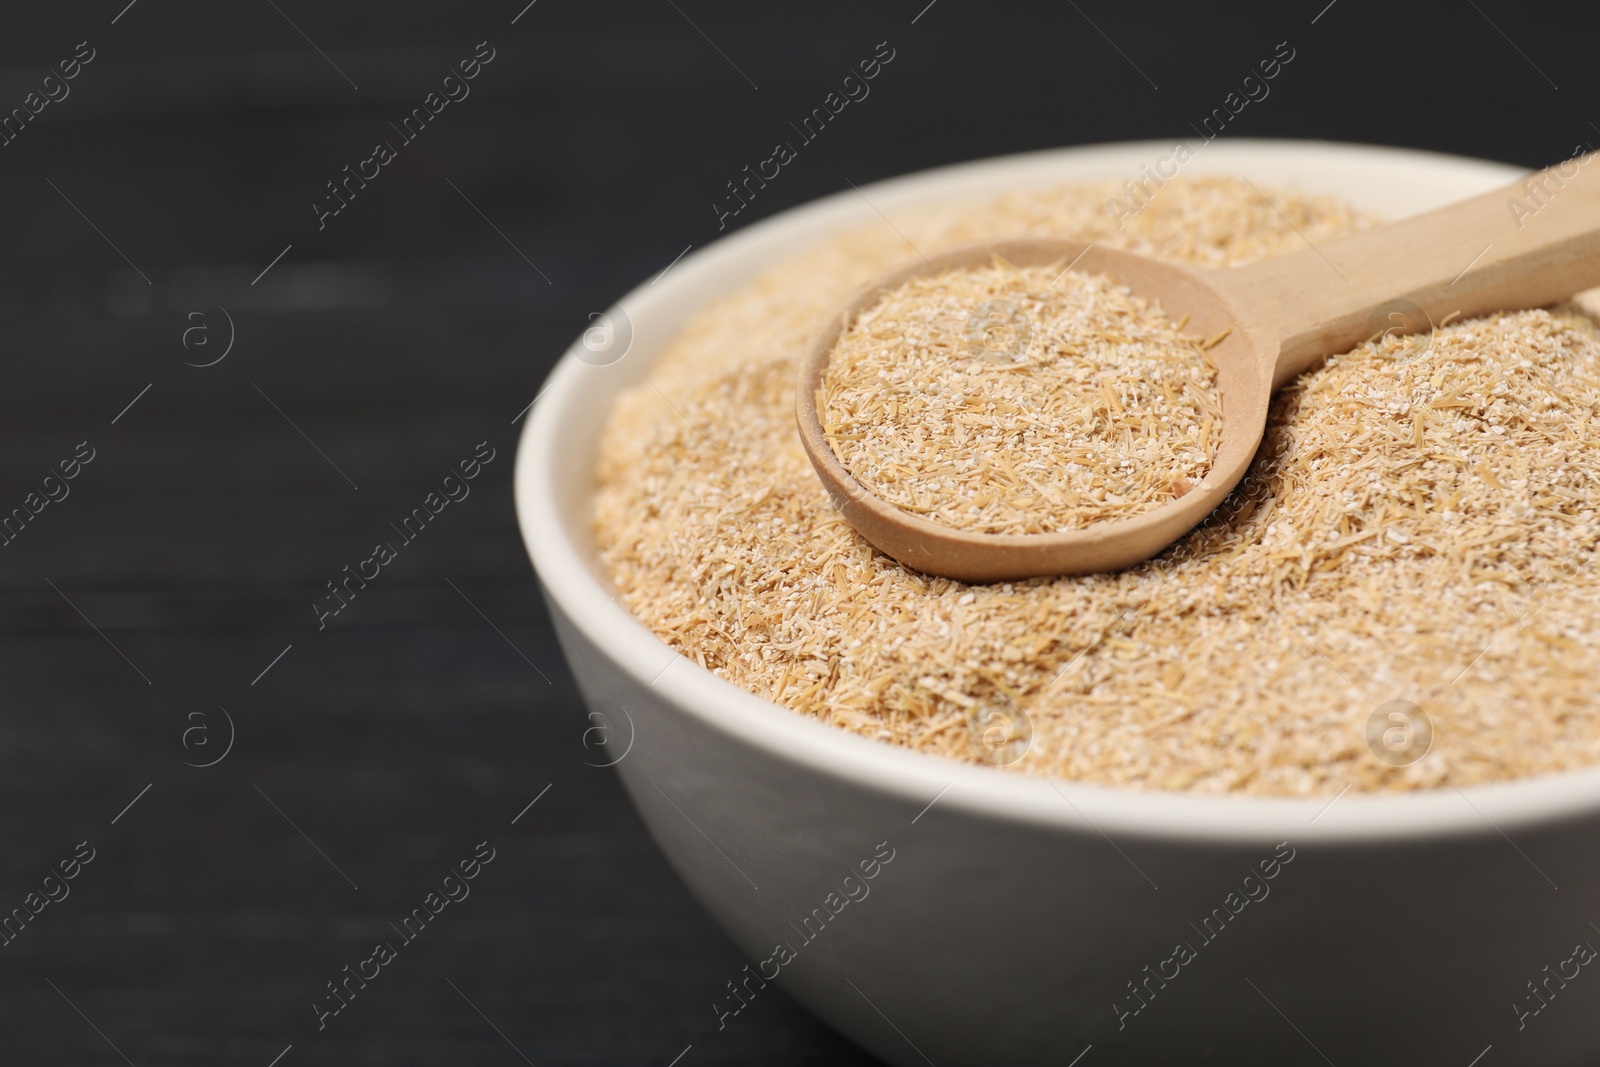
x=1527, y=245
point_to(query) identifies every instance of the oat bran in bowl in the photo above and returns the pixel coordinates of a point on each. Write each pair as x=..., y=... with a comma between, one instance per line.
x=743, y=793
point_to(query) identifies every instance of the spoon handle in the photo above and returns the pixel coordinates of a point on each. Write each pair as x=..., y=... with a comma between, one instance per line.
x=1527, y=245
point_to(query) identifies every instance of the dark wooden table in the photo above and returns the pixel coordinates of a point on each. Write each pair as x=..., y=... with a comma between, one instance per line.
x=163, y=607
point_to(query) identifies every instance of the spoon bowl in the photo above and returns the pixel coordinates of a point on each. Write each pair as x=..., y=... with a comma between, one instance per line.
x=1105, y=546
x=1279, y=317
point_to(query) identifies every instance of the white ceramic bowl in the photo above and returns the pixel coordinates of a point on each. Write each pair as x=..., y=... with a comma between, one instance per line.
x=1017, y=916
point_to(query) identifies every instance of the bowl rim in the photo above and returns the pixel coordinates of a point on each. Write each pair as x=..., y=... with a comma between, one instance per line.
x=921, y=779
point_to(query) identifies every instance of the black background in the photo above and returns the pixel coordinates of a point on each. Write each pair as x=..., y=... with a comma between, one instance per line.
x=397, y=339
